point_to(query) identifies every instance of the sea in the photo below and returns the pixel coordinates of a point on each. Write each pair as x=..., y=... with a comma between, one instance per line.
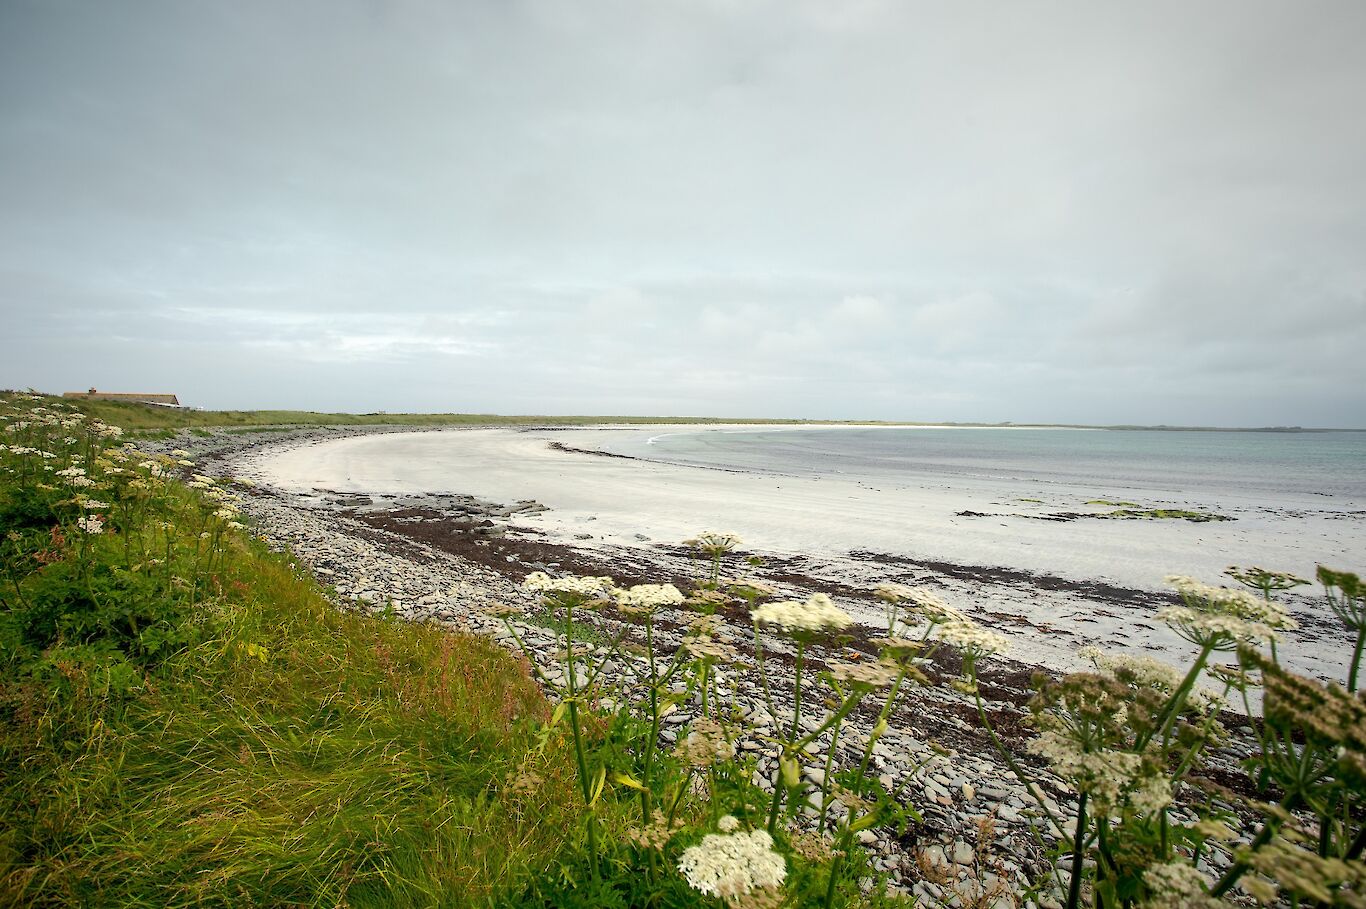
x=1272, y=465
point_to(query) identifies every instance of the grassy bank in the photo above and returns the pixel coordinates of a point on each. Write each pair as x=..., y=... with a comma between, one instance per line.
x=185, y=720
x=135, y=417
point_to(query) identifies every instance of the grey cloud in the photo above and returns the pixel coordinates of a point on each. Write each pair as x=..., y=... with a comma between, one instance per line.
x=1074, y=212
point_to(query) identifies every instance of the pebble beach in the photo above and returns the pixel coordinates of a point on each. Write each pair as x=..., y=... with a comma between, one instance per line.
x=448, y=557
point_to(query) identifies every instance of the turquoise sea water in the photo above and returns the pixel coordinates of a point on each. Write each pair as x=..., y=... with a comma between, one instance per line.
x=1276, y=465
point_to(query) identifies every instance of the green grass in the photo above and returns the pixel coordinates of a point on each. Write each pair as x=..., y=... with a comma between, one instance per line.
x=141, y=418
x=285, y=752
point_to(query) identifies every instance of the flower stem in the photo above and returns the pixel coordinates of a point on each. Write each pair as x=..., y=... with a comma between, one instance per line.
x=1356, y=659
x=1078, y=843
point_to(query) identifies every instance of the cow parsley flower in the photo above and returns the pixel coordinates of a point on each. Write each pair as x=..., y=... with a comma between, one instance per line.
x=1232, y=601
x=932, y=608
x=586, y=585
x=649, y=597
x=864, y=675
x=817, y=614
x=730, y=865
x=714, y=542
x=892, y=593
x=973, y=638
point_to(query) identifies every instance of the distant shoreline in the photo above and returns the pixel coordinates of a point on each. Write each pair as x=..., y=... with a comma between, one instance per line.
x=142, y=417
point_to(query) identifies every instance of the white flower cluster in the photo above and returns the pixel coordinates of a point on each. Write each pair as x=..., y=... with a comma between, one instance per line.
x=729, y=865
x=818, y=613
x=1231, y=601
x=1147, y=672
x=1108, y=776
x=587, y=585
x=649, y=597
x=1177, y=884
x=932, y=608
x=865, y=675
x=969, y=636
x=715, y=541
x=892, y=593
x=91, y=524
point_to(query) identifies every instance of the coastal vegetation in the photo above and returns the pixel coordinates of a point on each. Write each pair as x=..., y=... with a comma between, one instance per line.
x=186, y=719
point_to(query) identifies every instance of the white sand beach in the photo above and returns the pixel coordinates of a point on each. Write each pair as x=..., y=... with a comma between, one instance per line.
x=1034, y=579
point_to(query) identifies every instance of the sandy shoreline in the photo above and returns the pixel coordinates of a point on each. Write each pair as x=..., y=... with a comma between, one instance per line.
x=1053, y=587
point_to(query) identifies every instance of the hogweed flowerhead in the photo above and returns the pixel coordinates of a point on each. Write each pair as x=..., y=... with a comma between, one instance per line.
x=1264, y=579
x=646, y=598
x=934, y=610
x=731, y=865
x=865, y=676
x=714, y=543
x=1145, y=674
x=749, y=588
x=90, y=524
x=710, y=651
x=586, y=586
x=818, y=614
x=1220, y=618
x=972, y=639
x=1346, y=596
x=656, y=834
x=892, y=593
x=1177, y=885
x=705, y=745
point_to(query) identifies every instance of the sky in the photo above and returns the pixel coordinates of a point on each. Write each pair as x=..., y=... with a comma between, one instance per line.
x=1071, y=212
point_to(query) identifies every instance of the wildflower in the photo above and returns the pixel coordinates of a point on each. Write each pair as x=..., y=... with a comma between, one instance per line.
x=707, y=600
x=645, y=598
x=864, y=675
x=1145, y=672
x=179, y=453
x=1264, y=580
x=817, y=614
x=91, y=524
x=711, y=651
x=932, y=608
x=730, y=865
x=893, y=593
x=728, y=823
x=899, y=648
x=587, y=585
x=714, y=542
x=1259, y=888
x=704, y=626
x=1207, y=602
x=1177, y=885
x=750, y=588
x=972, y=638
x=501, y=610
x=656, y=834
x=705, y=745
x=811, y=846
x=525, y=783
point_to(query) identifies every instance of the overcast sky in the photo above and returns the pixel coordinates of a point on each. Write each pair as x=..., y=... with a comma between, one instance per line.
x=1068, y=212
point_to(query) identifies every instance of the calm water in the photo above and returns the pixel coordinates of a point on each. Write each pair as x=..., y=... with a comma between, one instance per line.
x=1273, y=465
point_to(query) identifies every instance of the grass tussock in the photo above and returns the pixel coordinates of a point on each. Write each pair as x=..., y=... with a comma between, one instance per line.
x=186, y=721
